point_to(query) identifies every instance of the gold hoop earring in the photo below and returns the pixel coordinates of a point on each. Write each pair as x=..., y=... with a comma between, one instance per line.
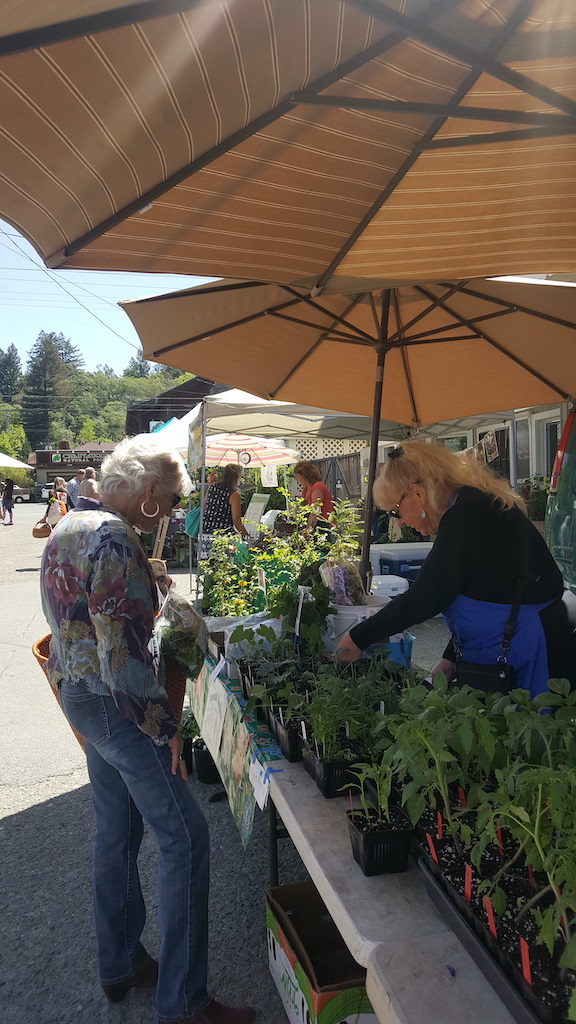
x=149, y=515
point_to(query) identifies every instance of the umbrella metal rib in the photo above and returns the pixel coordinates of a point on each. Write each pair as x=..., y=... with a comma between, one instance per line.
x=491, y=341
x=434, y=128
x=187, y=171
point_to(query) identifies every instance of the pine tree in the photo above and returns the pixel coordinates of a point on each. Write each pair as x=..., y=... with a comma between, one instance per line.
x=137, y=367
x=69, y=354
x=10, y=373
x=45, y=390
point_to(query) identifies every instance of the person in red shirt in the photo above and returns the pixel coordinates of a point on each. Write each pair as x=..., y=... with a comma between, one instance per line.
x=314, y=492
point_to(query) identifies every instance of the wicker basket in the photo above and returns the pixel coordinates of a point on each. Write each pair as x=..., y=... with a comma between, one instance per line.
x=41, y=530
x=41, y=651
x=175, y=685
x=175, y=682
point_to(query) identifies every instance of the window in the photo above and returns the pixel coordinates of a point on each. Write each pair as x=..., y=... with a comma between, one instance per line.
x=523, y=449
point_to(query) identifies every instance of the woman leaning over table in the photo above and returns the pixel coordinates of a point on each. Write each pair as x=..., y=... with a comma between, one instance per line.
x=484, y=545
x=100, y=600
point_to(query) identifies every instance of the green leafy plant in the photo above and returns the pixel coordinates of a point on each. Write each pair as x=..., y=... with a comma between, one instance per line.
x=535, y=492
x=380, y=775
x=188, y=725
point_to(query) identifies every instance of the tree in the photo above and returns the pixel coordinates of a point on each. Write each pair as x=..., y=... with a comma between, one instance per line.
x=45, y=391
x=69, y=354
x=137, y=367
x=10, y=373
x=14, y=442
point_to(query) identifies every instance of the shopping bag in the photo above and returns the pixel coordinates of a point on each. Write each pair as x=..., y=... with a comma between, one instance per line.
x=193, y=521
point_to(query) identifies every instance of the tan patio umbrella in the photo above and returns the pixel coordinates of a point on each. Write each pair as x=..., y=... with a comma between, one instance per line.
x=292, y=140
x=414, y=354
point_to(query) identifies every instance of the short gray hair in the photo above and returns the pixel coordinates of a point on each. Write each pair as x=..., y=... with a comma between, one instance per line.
x=137, y=462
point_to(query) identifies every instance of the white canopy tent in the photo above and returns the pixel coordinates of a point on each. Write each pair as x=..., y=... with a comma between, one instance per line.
x=236, y=411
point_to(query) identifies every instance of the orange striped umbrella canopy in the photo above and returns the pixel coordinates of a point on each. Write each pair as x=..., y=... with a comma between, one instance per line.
x=445, y=349
x=292, y=141
x=247, y=451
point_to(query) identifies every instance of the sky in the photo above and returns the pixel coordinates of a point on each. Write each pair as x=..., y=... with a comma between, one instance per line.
x=79, y=303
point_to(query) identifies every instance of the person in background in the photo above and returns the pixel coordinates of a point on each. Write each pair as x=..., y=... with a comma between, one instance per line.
x=8, y=502
x=72, y=488
x=222, y=510
x=314, y=492
x=88, y=487
x=484, y=546
x=56, y=506
x=100, y=600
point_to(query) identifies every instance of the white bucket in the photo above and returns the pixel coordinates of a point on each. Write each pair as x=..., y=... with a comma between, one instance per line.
x=350, y=615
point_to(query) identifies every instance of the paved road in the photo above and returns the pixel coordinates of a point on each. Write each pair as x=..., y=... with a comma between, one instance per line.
x=47, y=959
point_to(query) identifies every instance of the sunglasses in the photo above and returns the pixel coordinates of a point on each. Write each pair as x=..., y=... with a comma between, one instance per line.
x=175, y=500
x=395, y=512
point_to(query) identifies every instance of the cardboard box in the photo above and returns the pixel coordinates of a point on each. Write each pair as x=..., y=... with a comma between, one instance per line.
x=318, y=980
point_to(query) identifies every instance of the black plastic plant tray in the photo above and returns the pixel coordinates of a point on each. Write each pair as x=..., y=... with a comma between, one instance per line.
x=288, y=738
x=500, y=982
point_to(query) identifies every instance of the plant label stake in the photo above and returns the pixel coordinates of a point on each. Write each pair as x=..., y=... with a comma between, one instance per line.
x=281, y=716
x=499, y=841
x=461, y=796
x=431, y=847
x=525, y=954
x=490, y=915
x=382, y=708
x=304, y=736
x=530, y=876
x=468, y=883
x=438, y=825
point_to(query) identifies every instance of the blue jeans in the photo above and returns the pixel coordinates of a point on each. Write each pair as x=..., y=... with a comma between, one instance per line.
x=131, y=780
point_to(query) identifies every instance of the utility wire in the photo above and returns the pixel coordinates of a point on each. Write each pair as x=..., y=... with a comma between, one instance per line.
x=75, y=298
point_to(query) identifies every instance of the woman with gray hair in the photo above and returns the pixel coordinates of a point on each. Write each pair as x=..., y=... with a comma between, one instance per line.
x=100, y=599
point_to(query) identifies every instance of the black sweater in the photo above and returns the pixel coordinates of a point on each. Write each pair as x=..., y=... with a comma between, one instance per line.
x=479, y=553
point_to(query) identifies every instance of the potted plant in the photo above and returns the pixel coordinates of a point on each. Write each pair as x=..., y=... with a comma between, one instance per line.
x=381, y=833
x=535, y=492
x=189, y=732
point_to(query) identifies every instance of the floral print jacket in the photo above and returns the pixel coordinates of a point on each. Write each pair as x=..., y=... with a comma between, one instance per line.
x=100, y=600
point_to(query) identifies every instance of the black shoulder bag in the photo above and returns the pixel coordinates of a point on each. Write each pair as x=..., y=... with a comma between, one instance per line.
x=501, y=677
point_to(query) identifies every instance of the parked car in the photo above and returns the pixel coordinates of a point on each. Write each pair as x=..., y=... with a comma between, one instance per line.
x=21, y=494
x=560, y=523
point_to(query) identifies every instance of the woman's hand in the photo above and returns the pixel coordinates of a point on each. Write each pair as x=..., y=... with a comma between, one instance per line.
x=347, y=650
x=447, y=667
x=176, y=747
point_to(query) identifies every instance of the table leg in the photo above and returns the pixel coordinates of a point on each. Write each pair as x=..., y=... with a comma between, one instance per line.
x=272, y=843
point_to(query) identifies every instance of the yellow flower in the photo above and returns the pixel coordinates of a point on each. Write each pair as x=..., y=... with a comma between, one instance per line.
x=72, y=631
x=155, y=714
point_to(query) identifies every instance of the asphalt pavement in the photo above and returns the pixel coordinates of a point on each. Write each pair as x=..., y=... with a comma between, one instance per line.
x=48, y=971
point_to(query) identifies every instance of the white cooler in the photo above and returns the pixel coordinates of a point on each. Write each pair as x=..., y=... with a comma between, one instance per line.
x=389, y=586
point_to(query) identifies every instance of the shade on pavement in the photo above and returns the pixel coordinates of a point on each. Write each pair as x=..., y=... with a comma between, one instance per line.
x=292, y=141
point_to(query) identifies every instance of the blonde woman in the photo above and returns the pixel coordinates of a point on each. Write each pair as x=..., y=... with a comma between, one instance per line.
x=484, y=545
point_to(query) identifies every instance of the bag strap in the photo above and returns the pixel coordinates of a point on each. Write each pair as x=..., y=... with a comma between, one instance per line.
x=522, y=582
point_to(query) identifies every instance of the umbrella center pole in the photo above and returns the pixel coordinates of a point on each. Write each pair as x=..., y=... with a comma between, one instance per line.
x=365, y=565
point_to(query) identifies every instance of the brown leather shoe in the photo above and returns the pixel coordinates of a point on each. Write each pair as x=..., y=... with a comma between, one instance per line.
x=216, y=1013
x=146, y=977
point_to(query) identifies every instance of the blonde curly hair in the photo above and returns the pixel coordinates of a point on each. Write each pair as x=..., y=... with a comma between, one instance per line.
x=439, y=469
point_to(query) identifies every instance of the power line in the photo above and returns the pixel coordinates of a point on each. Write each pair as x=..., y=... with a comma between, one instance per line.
x=52, y=278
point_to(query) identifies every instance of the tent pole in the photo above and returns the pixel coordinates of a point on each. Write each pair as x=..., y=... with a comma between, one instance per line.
x=381, y=349
x=375, y=432
x=202, y=493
